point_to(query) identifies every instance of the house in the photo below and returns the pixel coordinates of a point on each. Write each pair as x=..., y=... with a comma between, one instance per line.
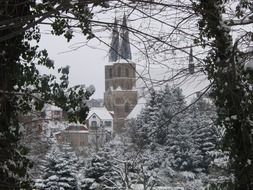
x=98, y=118
x=52, y=112
x=75, y=134
x=100, y=124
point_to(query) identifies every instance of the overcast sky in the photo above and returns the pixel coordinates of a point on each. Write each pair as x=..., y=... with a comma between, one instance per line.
x=86, y=63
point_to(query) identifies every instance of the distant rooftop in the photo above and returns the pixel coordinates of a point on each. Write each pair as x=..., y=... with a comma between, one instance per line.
x=101, y=112
x=76, y=127
x=48, y=107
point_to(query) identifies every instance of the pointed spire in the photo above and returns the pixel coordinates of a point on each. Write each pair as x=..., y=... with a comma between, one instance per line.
x=114, y=46
x=191, y=64
x=124, y=47
x=191, y=56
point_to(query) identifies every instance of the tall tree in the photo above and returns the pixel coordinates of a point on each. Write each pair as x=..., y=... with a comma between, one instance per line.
x=12, y=160
x=172, y=101
x=231, y=87
x=156, y=120
x=196, y=138
x=22, y=87
x=146, y=120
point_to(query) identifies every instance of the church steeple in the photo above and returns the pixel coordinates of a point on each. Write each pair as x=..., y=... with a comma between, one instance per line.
x=191, y=56
x=124, y=46
x=120, y=78
x=191, y=63
x=114, y=46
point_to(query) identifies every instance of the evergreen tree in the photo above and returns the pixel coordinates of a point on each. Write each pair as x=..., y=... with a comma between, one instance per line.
x=231, y=85
x=146, y=120
x=189, y=137
x=172, y=103
x=59, y=170
x=99, y=173
x=195, y=139
x=156, y=120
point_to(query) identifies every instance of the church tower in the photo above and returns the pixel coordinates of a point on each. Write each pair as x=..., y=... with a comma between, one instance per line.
x=120, y=95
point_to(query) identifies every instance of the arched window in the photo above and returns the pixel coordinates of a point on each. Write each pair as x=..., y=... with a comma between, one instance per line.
x=127, y=72
x=127, y=107
x=129, y=85
x=110, y=72
x=119, y=101
x=119, y=71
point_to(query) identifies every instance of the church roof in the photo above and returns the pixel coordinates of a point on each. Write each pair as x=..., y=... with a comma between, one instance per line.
x=137, y=109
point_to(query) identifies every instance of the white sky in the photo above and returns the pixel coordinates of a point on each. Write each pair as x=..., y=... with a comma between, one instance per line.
x=86, y=63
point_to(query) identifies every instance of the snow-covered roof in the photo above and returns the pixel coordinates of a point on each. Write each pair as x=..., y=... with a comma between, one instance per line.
x=248, y=65
x=124, y=61
x=48, y=107
x=101, y=112
x=120, y=89
x=76, y=127
x=137, y=109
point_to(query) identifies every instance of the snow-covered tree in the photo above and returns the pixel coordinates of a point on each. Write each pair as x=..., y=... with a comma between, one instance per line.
x=195, y=138
x=155, y=121
x=231, y=85
x=59, y=170
x=22, y=86
x=188, y=136
x=98, y=173
x=146, y=119
x=172, y=103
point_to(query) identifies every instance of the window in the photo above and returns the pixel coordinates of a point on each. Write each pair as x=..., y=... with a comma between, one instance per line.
x=94, y=117
x=108, y=123
x=94, y=124
x=119, y=101
x=127, y=109
x=119, y=71
x=110, y=72
x=128, y=85
x=127, y=72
